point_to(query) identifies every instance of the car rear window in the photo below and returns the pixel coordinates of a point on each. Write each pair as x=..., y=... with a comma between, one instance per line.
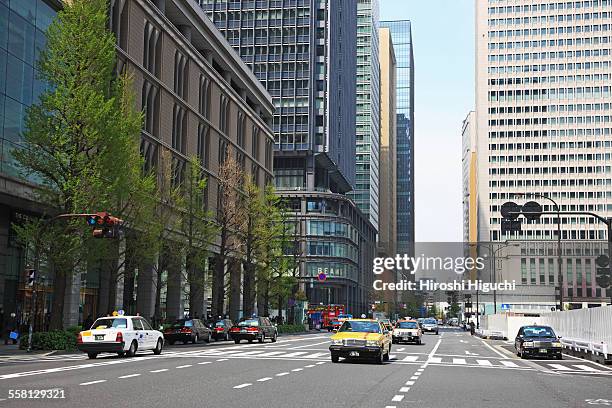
x=407, y=325
x=219, y=324
x=249, y=323
x=107, y=323
x=182, y=323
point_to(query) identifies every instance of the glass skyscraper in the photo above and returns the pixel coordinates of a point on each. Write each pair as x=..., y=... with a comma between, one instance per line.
x=401, y=34
x=366, y=192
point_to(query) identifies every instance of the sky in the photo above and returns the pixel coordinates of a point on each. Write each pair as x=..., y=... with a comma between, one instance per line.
x=443, y=41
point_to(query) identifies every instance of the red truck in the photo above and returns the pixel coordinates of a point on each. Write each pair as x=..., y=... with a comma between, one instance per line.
x=323, y=315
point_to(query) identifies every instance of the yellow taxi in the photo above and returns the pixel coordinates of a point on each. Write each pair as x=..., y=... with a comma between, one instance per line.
x=361, y=338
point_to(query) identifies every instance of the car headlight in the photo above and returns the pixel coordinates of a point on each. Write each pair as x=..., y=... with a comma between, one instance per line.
x=528, y=344
x=337, y=342
x=557, y=344
x=372, y=343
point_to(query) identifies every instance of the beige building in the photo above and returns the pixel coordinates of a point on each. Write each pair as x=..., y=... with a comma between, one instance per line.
x=387, y=231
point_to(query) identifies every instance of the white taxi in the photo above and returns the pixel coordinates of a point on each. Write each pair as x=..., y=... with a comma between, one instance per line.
x=120, y=334
x=407, y=331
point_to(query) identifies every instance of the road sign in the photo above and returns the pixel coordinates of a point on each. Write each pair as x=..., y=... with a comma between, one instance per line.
x=510, y=210
x=505, y=306
x=532, y=210
x=322, y=277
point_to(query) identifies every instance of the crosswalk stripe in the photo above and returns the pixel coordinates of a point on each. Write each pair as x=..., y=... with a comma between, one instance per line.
x=271, y=353
x=561, y=367
x=435, y=359
x=459, y=361
x=585, y=367
x=392, y=356
x=297, y=353
x=484, y=362
x=410, y=358
x=509, y=363
x=316, y=355
x=248, y=353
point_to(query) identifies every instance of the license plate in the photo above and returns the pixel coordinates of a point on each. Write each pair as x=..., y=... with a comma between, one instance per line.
x=543, y=351
x=354, y=354
x=407, y=337
x=243, y=331
x=99, y=337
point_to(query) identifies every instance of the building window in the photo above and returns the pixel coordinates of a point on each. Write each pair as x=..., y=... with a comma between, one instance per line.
x=222, y=150
x=240, y=129
x=224, y=114
x=203, y=144
x=152, y=49
x=179, y=124
x=181, y=75
x=149, y=151
x=204, y=103
x=268, y=159
x=119, y=22
x=255, y=143
x=150, y=108
x=178, y=171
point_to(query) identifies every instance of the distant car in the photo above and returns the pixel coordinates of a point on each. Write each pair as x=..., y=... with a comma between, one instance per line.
x=221, y=328
x=407, y=331
x=538, y=341
x=387, y=324
x=361, y=338
x=430, y=326
x=334, y=325
x=255, y=328
x=187, y=330
x=124, y=335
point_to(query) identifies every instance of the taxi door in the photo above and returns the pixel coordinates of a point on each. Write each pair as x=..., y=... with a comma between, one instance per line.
x=150, y=334
x=141, y=335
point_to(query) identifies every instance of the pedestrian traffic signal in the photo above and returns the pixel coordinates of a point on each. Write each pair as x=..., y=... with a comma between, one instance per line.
x=31, y=276
x=105, y=225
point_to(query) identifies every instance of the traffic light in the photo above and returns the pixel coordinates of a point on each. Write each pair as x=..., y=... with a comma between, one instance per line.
x=603, y=277
x=105, y=225
x=31, y=276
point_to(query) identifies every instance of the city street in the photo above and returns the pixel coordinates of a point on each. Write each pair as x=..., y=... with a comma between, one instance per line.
x=452, y=369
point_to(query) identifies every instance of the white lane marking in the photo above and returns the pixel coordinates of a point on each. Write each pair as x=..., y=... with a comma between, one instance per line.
x=585, y=367
x=248, y=353
x=390, y=406
x=392, y=356
x=184, y=366
x=409, y=382
x=297, y=369
x=129, y=376
x=418, y=373
x=414, y=377
x=264, y=379
x=509, y=364
x=205, y=362
x=459, y=361
x=401, y=349
x=309, y=345
x=561, y=367
x=93, y=382
x=272, y=353
x=309, y=366
x=242, y=385
x=404, y=389
x=161, y=370
x=605, y=368
x=484, y=362
x=316, y=355
x=434, y=360
x=282, y=374
x=410, y=358
x=222, y=359
x=421, y=369
x=493, y=349
x=298, y=353
x=320, y=362
x=397, y=398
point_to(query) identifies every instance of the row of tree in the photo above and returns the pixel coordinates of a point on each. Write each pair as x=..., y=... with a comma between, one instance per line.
x=81, y=147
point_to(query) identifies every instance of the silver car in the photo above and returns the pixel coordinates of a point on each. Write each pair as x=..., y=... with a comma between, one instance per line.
x=430, y=326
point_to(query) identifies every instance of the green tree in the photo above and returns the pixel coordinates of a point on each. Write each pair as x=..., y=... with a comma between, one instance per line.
x=81, y=138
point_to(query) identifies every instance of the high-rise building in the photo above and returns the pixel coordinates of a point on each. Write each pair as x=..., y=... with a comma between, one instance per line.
x=367, y=177
x=469, y=171
x=543, y=109
x=401, y=34
x=304, y=52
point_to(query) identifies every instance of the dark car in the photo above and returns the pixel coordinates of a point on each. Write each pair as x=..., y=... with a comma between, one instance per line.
x=537, y=341
x=187, y=330
x=254, y=328
x=221, y=328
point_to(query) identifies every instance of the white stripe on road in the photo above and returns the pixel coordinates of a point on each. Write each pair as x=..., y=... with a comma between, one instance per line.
x=309, y=366
x=264, y=379
x=161, y=370
x=282, y=374
x=404, y=389
x=397, y=398
x=93, y=382
x=414, y=377
x=320, y=362
x=316, y=355
x=434, y=360
x=409, y=382
x=459, y=361
x=401, y=349
x=561, y=367
x=585, y=368
x=309, y=345
x=242, y=385
x=493, y=349
x=184, y=366
x=484, y=362
x=392, y=356
x=410, y=358
x=297, y=369
x=509, y=363
x=271, y=353
x=129, y=376
x=222, y=359
x=205, y=362
x=298, y=353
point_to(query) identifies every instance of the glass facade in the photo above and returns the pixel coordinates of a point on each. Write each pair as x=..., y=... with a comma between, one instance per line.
x=401, y=34
x=366, y=191
x=22, y=26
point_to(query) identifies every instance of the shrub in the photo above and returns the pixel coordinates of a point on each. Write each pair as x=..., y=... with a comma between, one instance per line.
x=52, y=340
x=291, y=328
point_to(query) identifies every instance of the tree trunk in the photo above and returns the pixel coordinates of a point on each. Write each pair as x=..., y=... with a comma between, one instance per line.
x=161, y=266
x=261, y=299
x=218, y=286
x=57, y=307
x=280, y=309
x=234, y=300
x=248, y=292
x=196, y=288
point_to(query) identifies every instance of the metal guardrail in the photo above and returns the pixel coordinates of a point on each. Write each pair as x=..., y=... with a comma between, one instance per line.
x=601, y=349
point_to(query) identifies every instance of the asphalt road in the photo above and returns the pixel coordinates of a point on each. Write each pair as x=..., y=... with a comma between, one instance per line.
x=453, y=369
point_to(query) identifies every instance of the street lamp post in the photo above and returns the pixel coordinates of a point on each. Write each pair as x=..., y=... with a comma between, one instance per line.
x=559, y=254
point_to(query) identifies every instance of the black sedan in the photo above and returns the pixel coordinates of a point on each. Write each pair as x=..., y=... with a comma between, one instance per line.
x=187, y=330
x=255, y=328
x=221, y=328
x=537, y=341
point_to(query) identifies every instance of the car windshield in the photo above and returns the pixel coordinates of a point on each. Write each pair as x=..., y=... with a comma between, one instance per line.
x=430, y=321
x=539, y=332
x=249, y=323
x=219, y=324
x=360, y=327
x=407, y=325
x=107, y=323
x=182, y=323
